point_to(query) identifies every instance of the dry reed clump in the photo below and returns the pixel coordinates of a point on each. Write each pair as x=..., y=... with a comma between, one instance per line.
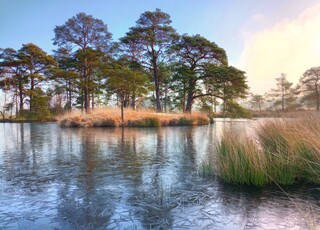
x=112, y=118
x=293, y=148
x=282, y=151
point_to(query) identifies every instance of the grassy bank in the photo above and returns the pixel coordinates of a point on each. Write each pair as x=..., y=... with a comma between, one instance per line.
x=112, y=118
x=282, y=151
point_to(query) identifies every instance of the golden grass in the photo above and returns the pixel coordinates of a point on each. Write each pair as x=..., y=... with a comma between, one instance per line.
x=112, y=118
x=281, y=151
x=296, y=143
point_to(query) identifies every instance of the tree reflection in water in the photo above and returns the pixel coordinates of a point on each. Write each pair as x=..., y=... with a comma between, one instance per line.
x=116, y=178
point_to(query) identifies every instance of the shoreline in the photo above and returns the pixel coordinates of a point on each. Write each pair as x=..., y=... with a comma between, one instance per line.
x=112, y=118
x=26, y=121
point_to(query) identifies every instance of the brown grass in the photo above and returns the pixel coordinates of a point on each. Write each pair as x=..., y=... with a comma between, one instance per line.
x=112, y=118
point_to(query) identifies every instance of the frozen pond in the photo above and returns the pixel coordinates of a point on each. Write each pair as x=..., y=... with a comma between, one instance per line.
x=113, y=178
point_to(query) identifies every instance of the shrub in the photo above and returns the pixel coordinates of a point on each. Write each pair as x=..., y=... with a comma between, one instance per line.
x=107, y=122
x=173, y=122
x=184, y=121
x=149, y=122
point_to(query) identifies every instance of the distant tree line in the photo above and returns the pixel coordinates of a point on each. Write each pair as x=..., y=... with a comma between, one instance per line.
x=286, y=97
x=151, y=66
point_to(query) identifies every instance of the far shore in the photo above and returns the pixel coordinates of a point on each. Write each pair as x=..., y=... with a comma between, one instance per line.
x=26, y=121
x=112, y=118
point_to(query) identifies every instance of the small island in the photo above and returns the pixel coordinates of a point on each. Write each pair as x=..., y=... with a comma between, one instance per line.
x=112, y=118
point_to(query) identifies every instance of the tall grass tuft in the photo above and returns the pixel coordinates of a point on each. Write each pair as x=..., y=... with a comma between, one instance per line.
x=239, y=161
x=283, y=151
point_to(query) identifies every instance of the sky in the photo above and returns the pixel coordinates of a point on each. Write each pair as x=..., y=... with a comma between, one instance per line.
x=264, y=38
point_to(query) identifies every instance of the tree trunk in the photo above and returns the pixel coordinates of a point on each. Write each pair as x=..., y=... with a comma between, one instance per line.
x=86, y=98
x=86, y=87
x=259, y=107
x=92, y=101
x=165, y=98
x=122, y=102
x=5, y=103
x=190, y=96
x=133, y=104
x=32, y=90
x=69, y=99
x=68, y=94
x=282, y=100
x=189, y=103
x=20, y=97
x=126, y=100
x=16, y=100
x=156, y=80
x=156, y=83
x=82, y=100
x=183, y=99
x=214, y=104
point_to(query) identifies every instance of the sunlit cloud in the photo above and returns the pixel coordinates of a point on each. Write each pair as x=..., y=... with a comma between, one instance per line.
x=291, y=47
x=259, y=17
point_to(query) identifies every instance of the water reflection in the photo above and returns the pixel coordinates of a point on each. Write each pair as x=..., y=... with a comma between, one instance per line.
x=132, y=178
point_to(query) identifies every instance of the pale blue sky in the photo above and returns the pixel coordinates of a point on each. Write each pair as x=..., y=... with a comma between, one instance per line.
x=229, y=23
x=225, y=22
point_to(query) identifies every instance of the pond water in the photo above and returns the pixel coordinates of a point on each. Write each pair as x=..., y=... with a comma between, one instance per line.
x=113, y=178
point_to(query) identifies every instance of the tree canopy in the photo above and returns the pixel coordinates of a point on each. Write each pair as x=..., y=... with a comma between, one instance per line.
x=29, y=65
x=88, y=34
x=284, y=93
x=34, y=63
x=151, y=63
x=193, y=54
x=83, y=31
x=149, y=40
x=310, y=86
x=127, y=81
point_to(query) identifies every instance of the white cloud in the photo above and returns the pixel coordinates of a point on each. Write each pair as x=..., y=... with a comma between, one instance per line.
x=259, y=17
x=289, y=47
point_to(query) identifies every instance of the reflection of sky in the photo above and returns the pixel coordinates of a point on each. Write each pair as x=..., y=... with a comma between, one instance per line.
x=116, y=178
